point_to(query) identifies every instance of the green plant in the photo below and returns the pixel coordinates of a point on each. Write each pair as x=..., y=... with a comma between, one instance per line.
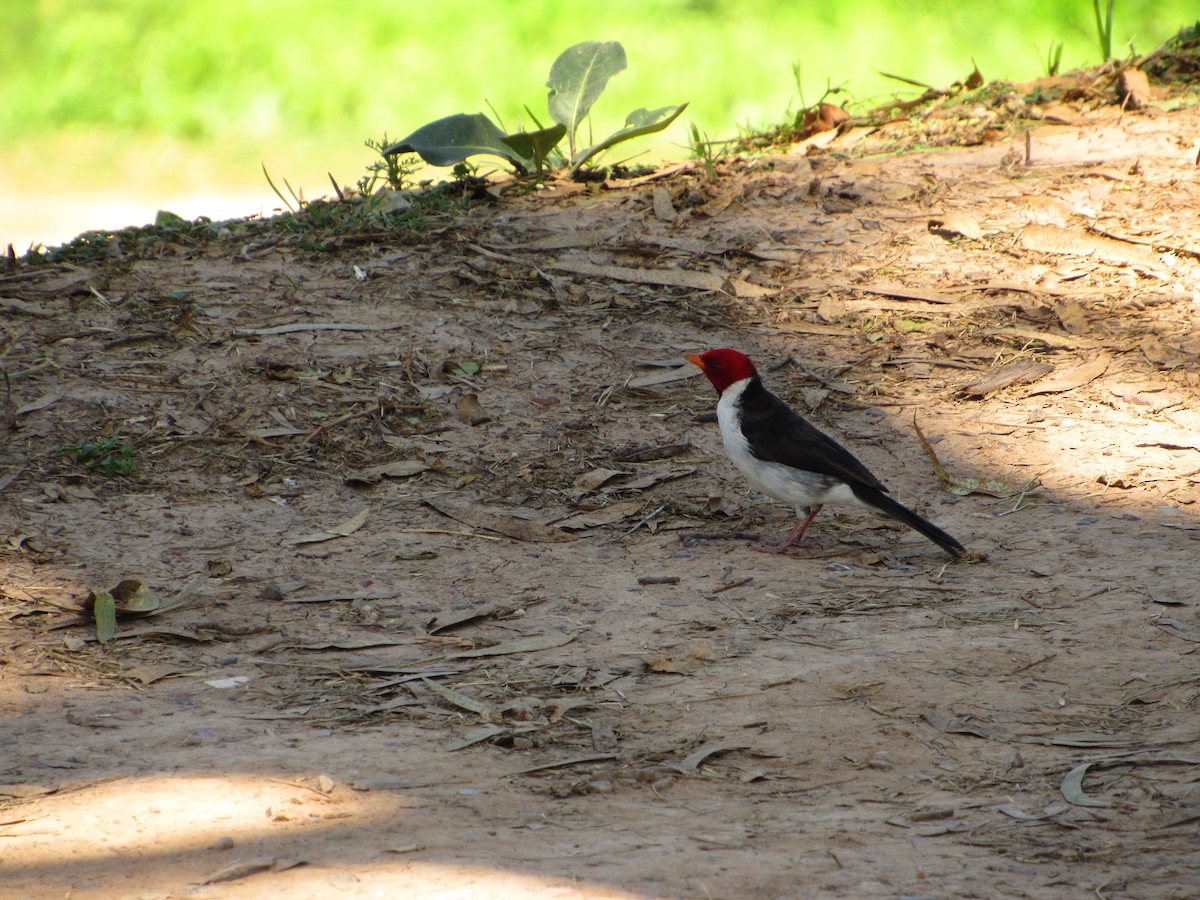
x=1104, y=28
x=704, y=150
x=1053, y=59
x=577, y=78
x=109, y=456
x=299, y=198
x=391, y=168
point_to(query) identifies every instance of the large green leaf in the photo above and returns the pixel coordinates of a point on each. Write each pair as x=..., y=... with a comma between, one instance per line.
x=578, y=77
x=637, y=123
x=536, y=145
x=449, y=141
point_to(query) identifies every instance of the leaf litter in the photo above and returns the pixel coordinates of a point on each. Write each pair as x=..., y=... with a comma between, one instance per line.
x=502, y=554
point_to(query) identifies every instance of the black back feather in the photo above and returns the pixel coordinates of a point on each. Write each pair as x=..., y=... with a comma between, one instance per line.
x=777, y=433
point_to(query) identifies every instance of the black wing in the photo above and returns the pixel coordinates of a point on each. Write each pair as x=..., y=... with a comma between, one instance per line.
x=776, y=433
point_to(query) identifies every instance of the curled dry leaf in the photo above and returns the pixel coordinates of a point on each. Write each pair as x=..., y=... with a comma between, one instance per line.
x=1072, y=787
x=955, y=225
x=470, y=412
x=961, y=485
x=687, y=660
x=345, y=529
x=824, y=117
x=596, y=478
x=1133, y=88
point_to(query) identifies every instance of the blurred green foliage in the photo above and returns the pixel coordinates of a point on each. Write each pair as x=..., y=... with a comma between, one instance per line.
x=265, y=68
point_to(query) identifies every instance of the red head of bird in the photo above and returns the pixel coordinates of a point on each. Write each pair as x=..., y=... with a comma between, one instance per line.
x=723, y=367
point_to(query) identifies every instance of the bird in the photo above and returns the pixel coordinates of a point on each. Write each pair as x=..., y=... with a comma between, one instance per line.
x=787, y=458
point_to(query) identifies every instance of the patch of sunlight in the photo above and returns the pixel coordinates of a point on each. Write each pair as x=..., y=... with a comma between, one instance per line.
x=160, y=833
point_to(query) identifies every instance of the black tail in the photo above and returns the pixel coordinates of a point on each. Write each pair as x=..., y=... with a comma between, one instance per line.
x=890, y=507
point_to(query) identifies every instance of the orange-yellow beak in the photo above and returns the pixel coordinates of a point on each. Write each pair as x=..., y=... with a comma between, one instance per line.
x=695, y=360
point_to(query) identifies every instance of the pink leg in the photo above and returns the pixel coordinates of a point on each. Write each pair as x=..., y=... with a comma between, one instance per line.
x=796, y=534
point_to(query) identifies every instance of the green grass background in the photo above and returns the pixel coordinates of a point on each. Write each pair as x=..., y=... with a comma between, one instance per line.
x=147, y=90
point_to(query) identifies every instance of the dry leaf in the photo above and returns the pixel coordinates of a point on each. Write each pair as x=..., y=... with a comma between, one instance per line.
x=682, y=663
x=693, y=760
x=401, y=468
x=606, y=516
x=685, y=278
x=509, y=526
x=663, y=208
x=346, y=528
x=907, y=293
x=1133, y=88
x=1072, y=787
x=41, y=403
x=1052, y=239
x=595, y=479
x=655, y=378
x=469, y=410
x=960, y=485
x=648, y=481
x=1071, y=317
x=1076, y=376
x=955, y=225
x=1019, y=371
x=523, y=645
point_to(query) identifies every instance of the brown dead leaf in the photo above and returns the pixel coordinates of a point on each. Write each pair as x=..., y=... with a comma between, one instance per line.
x=960, y=485
x=649, y=453
x=246, y=868
x=1072, y=787
x=691, y=764
x=1019, y=371
x=1159, y=353
x=954, y=225
x=1070, y=315
x=469, y=410
x=682, y=278
x=683, y=661
x=43, y=402
x=521, y=645
x=401, y=468
x=824, y=117
x=509, y=526
x=1076, y=376
x=606, y=516
x=663, y=207
x=665, y=376
x=344, y=529
x=650, y=480
x=596, y=478
x=907, y=293
x=1178, y=629
x=1052, y=239
x=1133, y=88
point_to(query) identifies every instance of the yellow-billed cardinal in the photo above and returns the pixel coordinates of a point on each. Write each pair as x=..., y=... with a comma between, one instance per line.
x=785, y=457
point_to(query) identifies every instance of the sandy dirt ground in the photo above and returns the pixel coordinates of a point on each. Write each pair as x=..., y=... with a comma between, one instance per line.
x=447, y=588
